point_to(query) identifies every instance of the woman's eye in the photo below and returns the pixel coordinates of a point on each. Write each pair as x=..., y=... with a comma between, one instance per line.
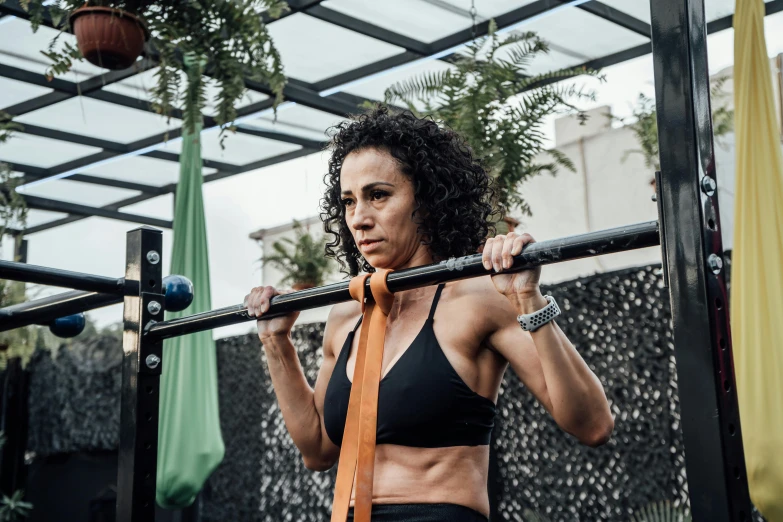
x=377, y=194
x=346, y=202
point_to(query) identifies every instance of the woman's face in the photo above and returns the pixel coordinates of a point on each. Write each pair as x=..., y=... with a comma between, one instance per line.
x=379, y=203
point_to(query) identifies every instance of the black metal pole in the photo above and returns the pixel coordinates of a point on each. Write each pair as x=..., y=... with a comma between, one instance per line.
x=47, y=309
x=14, y=422
x=141, y=369
x=545, y=252
x=56, y=277
x=20, y=250
x=693, y=249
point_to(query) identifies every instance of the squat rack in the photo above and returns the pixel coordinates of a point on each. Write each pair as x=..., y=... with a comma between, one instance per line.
x=688, y=231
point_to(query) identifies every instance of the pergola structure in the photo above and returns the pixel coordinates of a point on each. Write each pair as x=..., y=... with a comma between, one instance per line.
x=97, y=128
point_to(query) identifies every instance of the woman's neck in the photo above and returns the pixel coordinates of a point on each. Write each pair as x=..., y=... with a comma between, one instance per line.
x=422, y=256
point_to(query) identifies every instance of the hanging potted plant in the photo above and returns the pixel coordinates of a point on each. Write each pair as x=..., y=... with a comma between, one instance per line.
x=302, y=259
x=230, y=37
x=109, y=36
x=492, y=100
x=644, y=125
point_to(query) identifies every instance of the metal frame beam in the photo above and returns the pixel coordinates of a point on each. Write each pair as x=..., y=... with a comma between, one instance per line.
x=39, y=203
x=693, y=252
x=171, y=188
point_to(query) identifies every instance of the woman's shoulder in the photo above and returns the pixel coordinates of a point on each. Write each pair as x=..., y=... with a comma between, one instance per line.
x=343, y=316
x=474, y=289
x=478, y=299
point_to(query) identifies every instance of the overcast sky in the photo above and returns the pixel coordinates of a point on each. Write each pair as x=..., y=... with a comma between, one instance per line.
x=241, y=204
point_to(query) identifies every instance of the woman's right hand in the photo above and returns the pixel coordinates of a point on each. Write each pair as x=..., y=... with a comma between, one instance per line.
x=257, y=303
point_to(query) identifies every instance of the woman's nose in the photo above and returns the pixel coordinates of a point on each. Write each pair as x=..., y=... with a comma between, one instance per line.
x=362, y=217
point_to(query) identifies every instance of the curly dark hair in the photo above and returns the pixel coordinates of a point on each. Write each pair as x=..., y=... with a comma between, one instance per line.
x=453, y=192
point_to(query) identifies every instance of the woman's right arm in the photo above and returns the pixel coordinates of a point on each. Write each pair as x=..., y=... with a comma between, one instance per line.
x=301, y=406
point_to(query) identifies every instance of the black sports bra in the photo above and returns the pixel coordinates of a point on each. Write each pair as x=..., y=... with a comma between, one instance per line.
x=422, y=401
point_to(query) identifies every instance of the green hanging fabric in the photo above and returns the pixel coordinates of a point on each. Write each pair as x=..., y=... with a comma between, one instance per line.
x=190, y=445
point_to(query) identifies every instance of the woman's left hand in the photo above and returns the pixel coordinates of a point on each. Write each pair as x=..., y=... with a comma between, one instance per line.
x=498, y=255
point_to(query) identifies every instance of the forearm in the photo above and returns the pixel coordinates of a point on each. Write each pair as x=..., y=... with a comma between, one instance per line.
x=576, y=395
x=294, y=395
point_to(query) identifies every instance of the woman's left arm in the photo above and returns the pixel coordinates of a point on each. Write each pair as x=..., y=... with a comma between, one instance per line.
x=545, y=359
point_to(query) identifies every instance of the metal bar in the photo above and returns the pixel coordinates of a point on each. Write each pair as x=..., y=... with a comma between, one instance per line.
x=541, y=253
x=43, y=275
x=23, y=75
x=364, y=71
x=47, y=309
x=274, y=135
x=35, y=104
x=368, y=29
x=294, y=6
x=141, y=368
x=714, y=458
x=617, y=17
x=70, y=137
x=28, y=169
x=52, y=205
x=118, y=183
x=206, y=163
x=261, y=164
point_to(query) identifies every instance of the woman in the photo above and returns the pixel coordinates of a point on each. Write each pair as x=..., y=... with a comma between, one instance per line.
x=402, y=192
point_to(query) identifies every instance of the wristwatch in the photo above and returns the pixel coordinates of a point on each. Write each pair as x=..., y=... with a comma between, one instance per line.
x=534, y=321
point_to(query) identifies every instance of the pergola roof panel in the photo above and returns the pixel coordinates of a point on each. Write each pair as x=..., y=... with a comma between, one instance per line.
x=313, y=50
x=13, y=92
x=98, y=119
x=80, y=193
x=20, y=47
x=26, y=149
x=297, y=120
x=240, y=149
x=637, y=8
x=140, y=86
x=486, y=8
x=141, y=169
x=431, y=22
x=161, y=207
x=39, y=217
x=375, y=87
x=565, y=33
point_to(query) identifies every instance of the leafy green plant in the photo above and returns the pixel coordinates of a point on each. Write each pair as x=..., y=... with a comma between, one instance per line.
x=19, y=342
x=491, y=99
x=663, y=511
x=13, y=508
x=229, y=35
x=644, y=124
x=301, y=260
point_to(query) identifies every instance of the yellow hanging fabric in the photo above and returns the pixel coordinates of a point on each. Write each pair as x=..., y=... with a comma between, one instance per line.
x=757, y=276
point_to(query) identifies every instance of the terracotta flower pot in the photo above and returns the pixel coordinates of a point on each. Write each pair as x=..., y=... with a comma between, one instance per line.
x=302, y=286
x=108, y=38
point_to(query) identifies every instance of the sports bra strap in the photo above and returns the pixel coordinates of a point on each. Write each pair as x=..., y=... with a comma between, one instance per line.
x=435, y=301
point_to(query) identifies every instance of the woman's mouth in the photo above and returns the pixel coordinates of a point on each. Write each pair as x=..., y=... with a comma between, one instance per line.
x=369, y=245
